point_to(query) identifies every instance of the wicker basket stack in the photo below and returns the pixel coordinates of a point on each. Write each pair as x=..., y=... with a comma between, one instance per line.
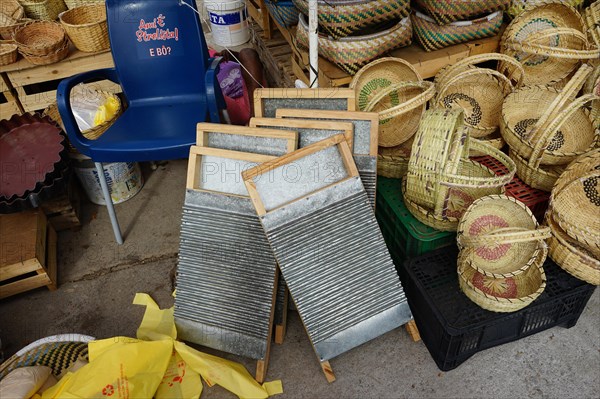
x=356, y=32
x=574, y=217
x=502, y=250
x=42, y=42
x=547, y=128
x=439, y=24
x=442, y=181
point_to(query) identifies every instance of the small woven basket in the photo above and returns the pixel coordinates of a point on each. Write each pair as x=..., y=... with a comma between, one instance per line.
x=500, y=236
x=445, y=12
x=502, y=294
x=432, y=36
x=87, y=27
x=550, y=41
x=43, y=9
x=572, y=256
x=576, y=197
x=516, y=7
x=283, y=11
x=8, y=53
x=353, y=52
x=393, y=161
x=40, y=38
x=78, y=3
x=56, y=56
x=341, y=18
x=393, y=88
x=57, y=352
x=478, y=91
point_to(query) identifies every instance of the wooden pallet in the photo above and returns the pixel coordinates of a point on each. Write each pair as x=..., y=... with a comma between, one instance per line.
x=276, y=56
x=260, y=14
x=35, y=86
x=28, y=253
x=63, y=212
x=9, y=105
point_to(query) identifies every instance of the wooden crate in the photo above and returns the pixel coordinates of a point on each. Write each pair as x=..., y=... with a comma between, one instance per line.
x=426, y=63
x=27, y=253
x=276, y=56
x=35, y=86
x=63, y=212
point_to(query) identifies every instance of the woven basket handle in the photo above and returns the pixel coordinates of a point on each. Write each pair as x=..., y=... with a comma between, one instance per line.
x=555, y=125
x=505, y=235
x=567, y=94
x=556, y=52
x=497, y=181
x=477, y=59
x=415, y=102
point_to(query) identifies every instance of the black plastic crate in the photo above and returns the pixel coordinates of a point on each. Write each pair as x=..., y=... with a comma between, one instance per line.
x=453, y=328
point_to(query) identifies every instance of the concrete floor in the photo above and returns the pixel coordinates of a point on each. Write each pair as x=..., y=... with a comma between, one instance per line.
x=98, y=280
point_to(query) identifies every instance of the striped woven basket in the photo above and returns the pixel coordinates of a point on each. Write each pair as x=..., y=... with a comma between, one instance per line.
x=432, y=36
x=445, y=12
x=351, y=53
x=57, y=352
x=516, y=7
x=283, y=11
x=340, y=18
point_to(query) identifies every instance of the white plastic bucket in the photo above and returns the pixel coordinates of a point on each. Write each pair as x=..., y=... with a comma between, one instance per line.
x=124, y=179
x=228, y=22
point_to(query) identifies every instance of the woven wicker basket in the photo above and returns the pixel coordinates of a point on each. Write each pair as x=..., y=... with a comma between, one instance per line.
x=8, y=53
x=11, y=9
x=393, y=161
x=575, y=198
x=78, y=3
x=57, y=352
x=283, y=11
x=351, y=53
x=549, y=133
x=502, y=294
x=571, y=256
x=445, y=12
x=87, y=27
x=40, y=38
x=500, y=236
x=432, y=36
x=43, y=9
x=341, y=18
x=591, y=15
x=400, y=107
x=549, y=40
x=56, y=56
x=478, y=91
x=516, y=7
x=541, y=177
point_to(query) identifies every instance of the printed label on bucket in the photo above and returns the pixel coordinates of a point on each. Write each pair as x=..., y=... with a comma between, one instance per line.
x=124, y=181
x=229, y=28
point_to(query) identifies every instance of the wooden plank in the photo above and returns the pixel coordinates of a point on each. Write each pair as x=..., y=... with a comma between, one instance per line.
x=22, y=237
x=328, y=371
x=26, y=284
x=413, y=331
x=4, y=83
x=51, y=259
x=345, y=127
x=24, y=74
x=202, y=129
x=293, y=93
x=9, y=108
x=39, y=101
x=20, y=268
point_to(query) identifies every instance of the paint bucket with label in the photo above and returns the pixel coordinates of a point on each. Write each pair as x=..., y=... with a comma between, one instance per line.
x=124, y=179
x=228, y=22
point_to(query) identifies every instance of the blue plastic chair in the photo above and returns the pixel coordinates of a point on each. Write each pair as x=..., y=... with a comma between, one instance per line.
x=168, y=80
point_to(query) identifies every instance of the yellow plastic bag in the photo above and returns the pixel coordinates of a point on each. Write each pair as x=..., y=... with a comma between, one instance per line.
x=107, y=110
x=119, y=367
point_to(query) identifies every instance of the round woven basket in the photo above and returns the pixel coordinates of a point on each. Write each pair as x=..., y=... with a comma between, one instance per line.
x=399, y=112
x=393, y=161
x=57, y=352
x=444, y=12
x=575, y=199
x=456, y=199
x=502, y=294
x=340, y=18
x=517, y=6
x=86, y=26
x=432, y=36
x=478, y=91
x=549, y=40
x=78, y=3
x=56, y=56
x=352, y=52
x=40, y=38
x=547, y=133
x=8, y=53
x=43, y=9
x=500, y=236
x=572, y=256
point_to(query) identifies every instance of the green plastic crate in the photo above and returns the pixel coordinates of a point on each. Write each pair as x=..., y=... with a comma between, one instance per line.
x=402, y=232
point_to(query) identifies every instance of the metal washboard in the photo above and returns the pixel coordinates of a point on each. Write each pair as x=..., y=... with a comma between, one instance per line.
x=268, y=101
x=329, y=247
x=227, y=274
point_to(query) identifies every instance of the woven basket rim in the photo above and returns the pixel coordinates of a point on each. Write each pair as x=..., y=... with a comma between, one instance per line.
x=486, y=18
x=567, y=241
x=352, y=39
x=62, y=15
